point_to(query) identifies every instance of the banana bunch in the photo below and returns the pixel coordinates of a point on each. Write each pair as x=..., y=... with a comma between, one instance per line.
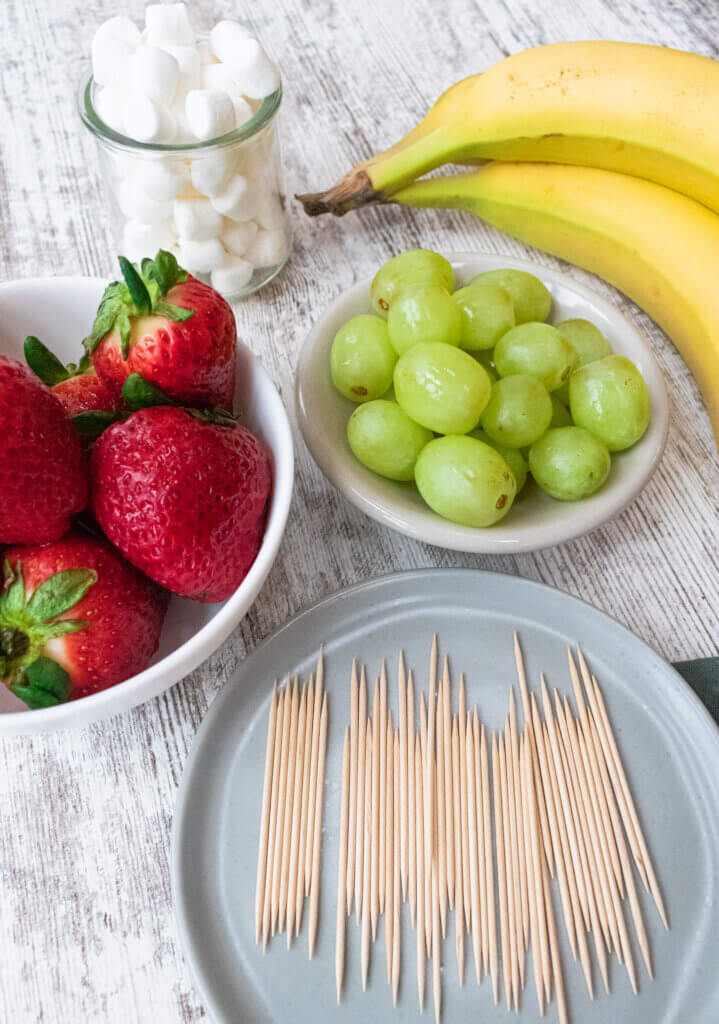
x=605, y=154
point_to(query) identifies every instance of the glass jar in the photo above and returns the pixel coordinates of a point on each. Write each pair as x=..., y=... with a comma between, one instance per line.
x=219, y=206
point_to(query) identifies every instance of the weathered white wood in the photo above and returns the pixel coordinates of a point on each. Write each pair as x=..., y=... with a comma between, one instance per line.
x=86, y=928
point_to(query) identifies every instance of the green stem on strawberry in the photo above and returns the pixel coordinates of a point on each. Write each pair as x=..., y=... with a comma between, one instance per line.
x=138, y=393
x=142, y=293
x=45, y=364
x=28, y=623
x=43, y=684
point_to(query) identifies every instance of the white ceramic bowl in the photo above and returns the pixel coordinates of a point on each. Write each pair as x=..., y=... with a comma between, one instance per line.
x=60, y=311
x=535, y=520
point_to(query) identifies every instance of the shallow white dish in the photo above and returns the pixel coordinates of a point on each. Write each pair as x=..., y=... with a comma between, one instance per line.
x=60, y=310
x=536, y=520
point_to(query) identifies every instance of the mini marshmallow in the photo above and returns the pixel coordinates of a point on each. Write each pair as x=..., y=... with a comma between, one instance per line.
x=110, y=106
x=201, y=257
x=209, y=113
x=136, y=205
x=256, y=73
x=269, y=212
x=161, y=180
x=169, y=23
x=269, y=249
x=226, y=37
x=210, y=174
x=238, y=200
x=237, y=238
x=188, y=60
x=196, y=220
x=205, y=53
x=111, y=57
x=120, y=27
x=234, y=274
x=140, y=240
x=155, y=73
x=243, y=111
x=147, y=120
x=219, y=76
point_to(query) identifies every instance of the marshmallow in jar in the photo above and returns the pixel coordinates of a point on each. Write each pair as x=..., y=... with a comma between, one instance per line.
x=188, y=144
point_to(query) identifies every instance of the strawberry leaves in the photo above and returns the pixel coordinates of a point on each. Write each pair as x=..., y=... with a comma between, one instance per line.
x=26, y=625
x=59, y=593
x=45, y=364
x=138, y=393
x=136, y=287
x=44, y=683
x=141, y=293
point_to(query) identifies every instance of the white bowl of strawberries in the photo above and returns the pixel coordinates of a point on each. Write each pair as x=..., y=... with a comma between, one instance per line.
x=145, y=483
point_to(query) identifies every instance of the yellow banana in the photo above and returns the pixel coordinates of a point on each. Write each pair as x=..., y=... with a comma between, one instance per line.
x=657, y=246
x=643, y=110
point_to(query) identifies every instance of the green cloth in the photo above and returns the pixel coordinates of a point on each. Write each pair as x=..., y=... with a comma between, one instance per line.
x=702, y=674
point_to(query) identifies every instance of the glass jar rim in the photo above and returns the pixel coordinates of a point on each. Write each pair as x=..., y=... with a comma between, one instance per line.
x=92, y=120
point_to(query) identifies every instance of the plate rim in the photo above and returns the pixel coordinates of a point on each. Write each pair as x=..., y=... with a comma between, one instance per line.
x=443, y=533
x=710, y=728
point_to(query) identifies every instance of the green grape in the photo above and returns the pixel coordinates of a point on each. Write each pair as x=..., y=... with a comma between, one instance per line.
x=512, y=456
x=385, y=439
x=569, y=463
x=423, y=312
x=531, y=299
x=362, y=360
x=518, y=412
x=465, y=480
x=537, y=349
x=487, y=314
x=441, y=387
x=586, y=339
x=610, y=399
x=412, y=267
x=560, y=413
x=588, y=343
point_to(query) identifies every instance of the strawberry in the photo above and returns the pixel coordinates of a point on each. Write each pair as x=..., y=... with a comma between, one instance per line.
x=43, y=474
x=182, y=494
x=75, y=618
x=76, y=387
x=177, y=333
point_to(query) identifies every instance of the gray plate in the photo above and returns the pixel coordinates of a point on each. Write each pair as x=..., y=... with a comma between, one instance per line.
x=670, y=747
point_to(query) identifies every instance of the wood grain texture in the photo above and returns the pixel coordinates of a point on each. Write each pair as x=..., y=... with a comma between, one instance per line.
x=86, y=923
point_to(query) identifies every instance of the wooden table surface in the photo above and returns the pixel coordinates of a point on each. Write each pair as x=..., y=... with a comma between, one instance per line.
x=86, y=924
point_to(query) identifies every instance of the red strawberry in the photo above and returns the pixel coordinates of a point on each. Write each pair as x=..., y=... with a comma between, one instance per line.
x=76, y=387
x=75, y=618
x=177, y=333
x=182, y=497
x=43, y=475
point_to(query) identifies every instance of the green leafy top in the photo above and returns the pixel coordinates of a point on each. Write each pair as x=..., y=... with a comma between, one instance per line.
x=141, y=292
x=27, y=623
x=45, y=364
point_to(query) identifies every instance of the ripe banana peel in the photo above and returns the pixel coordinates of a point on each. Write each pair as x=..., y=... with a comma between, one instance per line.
x=657, y=246
x=648, y=111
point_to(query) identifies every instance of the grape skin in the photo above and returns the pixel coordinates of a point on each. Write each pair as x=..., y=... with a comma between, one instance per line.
x=569, y=463
x=423, y=312
x=411, y=267
x=531, y=298
x=464, y=480
x=538, y=350
x=610, y=399
x=362, y=361
x=385, y=440
x=441, y=387
x=487, y=313
x=518, y=412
